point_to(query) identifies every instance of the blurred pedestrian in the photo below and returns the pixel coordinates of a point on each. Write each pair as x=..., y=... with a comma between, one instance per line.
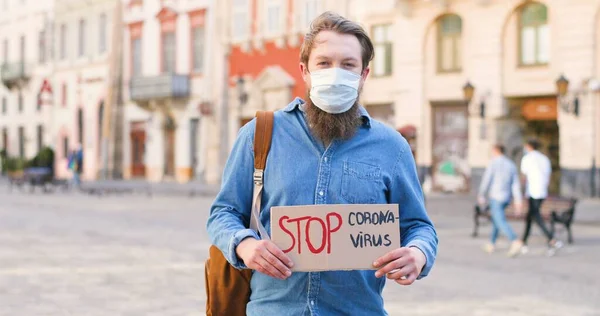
x=500, y=184
x=75, y=164
x=536, y=168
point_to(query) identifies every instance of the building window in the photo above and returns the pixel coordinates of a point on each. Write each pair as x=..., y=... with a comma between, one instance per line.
x=63, y=93
x=102, y=33
x=5, y=138
x=20, y=102
x=63, y=42
x=40, y=137
x=3, y=105
x=449, y=56
x=198, y=53
x=382, y=42
x=534, y=35
x=22, y=41
x=136, y=57
x=5, y=51
x=310, y=11
x=240, y=21
x=168, y=53
x=42, y=47
x=65, y=143
x=82, y=26
x=273, y=17
x=21, y=141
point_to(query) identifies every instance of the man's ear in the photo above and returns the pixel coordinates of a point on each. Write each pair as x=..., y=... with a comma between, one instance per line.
x=364, y=75
x=304, y=72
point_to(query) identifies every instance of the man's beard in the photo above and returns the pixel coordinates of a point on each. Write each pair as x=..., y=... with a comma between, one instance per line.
x=329, y=127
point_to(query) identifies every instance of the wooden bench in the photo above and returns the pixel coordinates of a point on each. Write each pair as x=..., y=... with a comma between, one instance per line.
x=557, y=210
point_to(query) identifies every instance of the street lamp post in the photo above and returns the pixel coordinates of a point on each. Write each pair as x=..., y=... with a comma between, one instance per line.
x=572, y=106
x=562, y=89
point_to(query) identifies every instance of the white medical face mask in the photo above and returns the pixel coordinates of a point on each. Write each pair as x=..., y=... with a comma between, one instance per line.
x=334, y=90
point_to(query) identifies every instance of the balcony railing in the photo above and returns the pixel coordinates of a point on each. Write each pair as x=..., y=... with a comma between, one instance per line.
x=14, y=73
x=143, y=89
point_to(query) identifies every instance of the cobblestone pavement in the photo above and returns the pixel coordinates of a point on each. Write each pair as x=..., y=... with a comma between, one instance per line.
x=69, y=254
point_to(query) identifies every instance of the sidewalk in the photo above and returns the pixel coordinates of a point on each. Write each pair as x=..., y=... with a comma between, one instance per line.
x=588, y=211
x=193, y=188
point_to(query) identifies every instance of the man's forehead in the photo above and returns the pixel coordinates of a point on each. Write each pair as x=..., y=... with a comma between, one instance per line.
x=345, y=44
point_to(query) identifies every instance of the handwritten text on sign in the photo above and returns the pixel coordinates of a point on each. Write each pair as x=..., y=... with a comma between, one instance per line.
x=335, y=237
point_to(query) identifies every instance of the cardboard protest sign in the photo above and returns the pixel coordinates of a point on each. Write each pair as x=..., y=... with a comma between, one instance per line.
x=335, y=237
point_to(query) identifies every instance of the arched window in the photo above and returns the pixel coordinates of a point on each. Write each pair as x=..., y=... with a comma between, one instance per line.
x=449, y=43
x=534, y=35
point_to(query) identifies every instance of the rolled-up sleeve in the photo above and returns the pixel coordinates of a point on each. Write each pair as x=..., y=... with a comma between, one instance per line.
x=229, y=217
x=416, y=229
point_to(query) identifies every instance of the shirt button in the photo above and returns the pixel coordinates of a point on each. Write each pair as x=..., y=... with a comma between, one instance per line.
x=325, y=159
x=312, y=303
x=321, y=193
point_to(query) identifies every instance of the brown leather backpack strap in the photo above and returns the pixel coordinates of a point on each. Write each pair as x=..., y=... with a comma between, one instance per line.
x=262, y=143
x=262, y=138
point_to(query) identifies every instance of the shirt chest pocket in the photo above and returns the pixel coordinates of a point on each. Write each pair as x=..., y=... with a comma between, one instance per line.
x=360, y=183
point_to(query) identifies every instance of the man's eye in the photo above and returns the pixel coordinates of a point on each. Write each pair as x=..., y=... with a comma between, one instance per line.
x=323, y=63
x=349, y=65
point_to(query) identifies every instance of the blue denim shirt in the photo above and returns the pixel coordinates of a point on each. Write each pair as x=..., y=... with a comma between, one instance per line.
x=501, y=181
x=374, y=166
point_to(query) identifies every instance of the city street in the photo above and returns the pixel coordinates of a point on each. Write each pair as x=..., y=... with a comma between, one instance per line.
x=70, y=254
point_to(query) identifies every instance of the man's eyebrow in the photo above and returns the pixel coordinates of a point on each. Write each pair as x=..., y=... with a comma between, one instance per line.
x=322, y=57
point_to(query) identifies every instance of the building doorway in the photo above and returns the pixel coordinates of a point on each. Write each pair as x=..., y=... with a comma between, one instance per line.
x=169, y=136
x=80, y=126
x=540, y=116
x=450, y=167
x=138, y=144
x=194, y=128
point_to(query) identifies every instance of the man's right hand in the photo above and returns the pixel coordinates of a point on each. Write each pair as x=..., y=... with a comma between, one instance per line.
x=264, y=256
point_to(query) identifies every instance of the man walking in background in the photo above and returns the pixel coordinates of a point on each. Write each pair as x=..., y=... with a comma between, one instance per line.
x=501, y=183
x=537, y=169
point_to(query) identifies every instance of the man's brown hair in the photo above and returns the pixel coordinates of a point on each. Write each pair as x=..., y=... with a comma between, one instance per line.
x=330, y=21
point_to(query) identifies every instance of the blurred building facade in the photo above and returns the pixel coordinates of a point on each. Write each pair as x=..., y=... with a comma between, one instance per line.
x=453, y=76
x=26, y=35
x=512, y=53
x=82, y=46
x=170, y=124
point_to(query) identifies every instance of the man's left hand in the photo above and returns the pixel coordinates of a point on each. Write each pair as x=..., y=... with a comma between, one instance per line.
x=402, y=265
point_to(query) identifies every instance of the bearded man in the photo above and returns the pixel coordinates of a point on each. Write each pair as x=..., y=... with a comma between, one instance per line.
x=325, y=150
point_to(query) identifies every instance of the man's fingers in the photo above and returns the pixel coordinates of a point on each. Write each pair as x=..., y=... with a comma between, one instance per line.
x=396, y=264
x=268, y=269
x=390, y=256
x=404, y=271
x=410, y=279
x=276, y=263
x=273, y=249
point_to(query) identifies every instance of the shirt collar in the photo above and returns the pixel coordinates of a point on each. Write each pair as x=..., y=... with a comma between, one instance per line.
x=298, y=103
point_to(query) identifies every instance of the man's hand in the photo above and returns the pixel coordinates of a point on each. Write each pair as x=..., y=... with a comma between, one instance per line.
x=481, y=200
x=402, y=265
x=518, y=208
x=264, y=256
